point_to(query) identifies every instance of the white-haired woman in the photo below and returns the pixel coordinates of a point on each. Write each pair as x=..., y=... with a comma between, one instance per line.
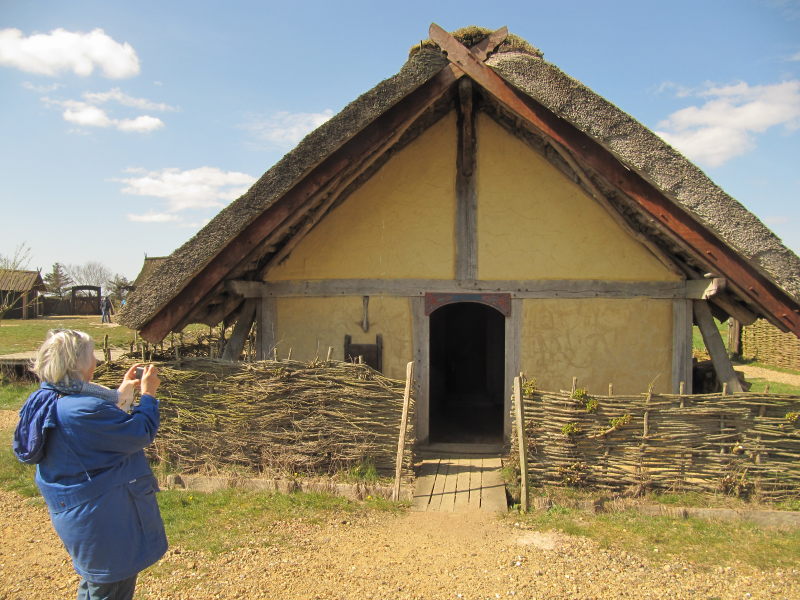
x=91, y=467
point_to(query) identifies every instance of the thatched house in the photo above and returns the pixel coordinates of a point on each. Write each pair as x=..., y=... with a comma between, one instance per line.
x=481, y=213
x=20, y=294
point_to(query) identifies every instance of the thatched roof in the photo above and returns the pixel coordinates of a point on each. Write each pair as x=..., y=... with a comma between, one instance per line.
x=150, y=264
x=230, y=246
x=13, y=280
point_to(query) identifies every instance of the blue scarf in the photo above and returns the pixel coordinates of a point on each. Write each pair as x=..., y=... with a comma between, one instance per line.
x=38, y=415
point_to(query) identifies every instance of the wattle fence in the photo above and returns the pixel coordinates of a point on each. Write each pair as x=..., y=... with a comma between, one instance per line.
x=743, y=444
x=768, y=344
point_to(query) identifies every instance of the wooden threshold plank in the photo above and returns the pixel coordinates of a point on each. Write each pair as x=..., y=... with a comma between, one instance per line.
x=475, y=482
x=449, y=493
x=438, y=486
x=462, y=485
x=493, y=490
x=424, y=484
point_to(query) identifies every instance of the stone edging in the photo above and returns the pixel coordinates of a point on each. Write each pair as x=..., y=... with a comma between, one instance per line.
x=765, y=518
x=351, y=491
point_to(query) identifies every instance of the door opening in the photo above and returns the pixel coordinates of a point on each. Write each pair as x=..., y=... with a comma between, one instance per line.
x=467, y=369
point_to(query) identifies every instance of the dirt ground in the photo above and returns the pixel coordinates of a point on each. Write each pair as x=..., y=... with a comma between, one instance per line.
x=751, y=372
x=380, y=555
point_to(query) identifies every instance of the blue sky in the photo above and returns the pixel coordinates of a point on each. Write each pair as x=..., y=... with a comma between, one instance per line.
x=127, y=125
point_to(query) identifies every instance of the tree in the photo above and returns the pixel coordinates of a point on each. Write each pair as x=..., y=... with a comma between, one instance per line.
x=90, y=273
x=57, y=281
x=117, y=287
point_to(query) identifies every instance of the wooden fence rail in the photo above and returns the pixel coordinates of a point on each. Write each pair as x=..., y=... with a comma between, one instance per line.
x=742, y=444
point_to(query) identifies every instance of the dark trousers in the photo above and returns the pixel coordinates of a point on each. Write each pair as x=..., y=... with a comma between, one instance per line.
x=119, y=590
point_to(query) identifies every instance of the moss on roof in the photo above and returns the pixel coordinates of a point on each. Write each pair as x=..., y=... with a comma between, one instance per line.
x=471, y=35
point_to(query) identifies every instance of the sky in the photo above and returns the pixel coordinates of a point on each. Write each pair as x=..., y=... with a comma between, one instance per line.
x=126, y=126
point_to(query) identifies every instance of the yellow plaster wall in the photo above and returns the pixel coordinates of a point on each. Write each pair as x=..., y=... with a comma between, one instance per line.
x=309, y=325
x=533, y=223
x=600, y=341
x=399, y=224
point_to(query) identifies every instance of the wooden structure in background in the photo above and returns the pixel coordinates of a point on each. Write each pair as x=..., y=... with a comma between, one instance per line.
x=20, y=293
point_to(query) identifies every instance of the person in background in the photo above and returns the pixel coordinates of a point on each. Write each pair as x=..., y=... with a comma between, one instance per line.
x=90, y=464
x=106, y=309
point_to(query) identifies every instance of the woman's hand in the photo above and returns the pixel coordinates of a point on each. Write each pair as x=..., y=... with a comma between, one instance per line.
x=150, y=380
x=126, y=388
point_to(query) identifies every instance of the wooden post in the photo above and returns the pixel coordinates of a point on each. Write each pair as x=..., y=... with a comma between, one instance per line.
x=289, y=357
x=610, y=389
x=521, y=442
x=715, y=347
x=330, y=351
x=242, y=328
x=401, y=442
x=735, y=337
x=574, y=386
x=682, y=391
x=106, y=349
x=646, y=425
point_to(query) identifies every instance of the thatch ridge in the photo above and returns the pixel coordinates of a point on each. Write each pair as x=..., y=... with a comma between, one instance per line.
x=472, y=34
x=634, y=144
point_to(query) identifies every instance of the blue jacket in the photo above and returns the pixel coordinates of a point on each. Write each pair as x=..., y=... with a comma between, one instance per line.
x=96, y=480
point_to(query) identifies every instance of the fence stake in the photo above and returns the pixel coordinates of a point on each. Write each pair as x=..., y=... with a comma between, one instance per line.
x=401, y=442
x=290, y=354
x=330, y=351
x=523, y=449
x=574, y=387
x=610, y=389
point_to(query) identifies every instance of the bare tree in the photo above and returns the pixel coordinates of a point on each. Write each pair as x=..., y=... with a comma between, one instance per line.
x=90, y=273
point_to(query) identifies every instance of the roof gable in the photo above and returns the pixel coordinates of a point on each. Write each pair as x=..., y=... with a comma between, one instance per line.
x=660, y=195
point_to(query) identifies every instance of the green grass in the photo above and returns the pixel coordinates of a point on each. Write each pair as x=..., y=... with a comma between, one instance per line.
x=15, y=476
x=228, y=519
x=24, y=335
x=14, y=393
x=775, y=387
x=665, y=539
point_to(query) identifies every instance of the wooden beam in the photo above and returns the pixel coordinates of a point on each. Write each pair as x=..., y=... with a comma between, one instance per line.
x=568, y=288
x=682, y=346
x=715, y=346
x=513, y=360
x=233, y=349
x=466, y=233
x=421, y=339
x=265, y=333
x=705, y=246
x=734, y=309
x=353, y=151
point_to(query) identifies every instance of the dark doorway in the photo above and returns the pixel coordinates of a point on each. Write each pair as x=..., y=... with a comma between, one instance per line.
x=467, y=371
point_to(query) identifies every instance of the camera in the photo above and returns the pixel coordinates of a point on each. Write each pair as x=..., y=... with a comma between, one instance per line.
x=139, y=372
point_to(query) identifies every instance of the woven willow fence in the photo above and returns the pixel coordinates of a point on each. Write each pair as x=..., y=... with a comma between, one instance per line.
x=274, y=417
x=746, y=444
x=766, y=343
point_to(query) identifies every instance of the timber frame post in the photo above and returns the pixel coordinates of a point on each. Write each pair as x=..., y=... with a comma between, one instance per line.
x=265, y=328
x=716, y=348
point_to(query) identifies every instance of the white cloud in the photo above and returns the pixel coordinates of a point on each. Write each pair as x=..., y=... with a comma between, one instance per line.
x=726, y=125
x=152, y=217
x=42, y=89
x=117, y=95
x=60, y=50
x=284, y=129
x=204, y=187
x=88, y=115
x=141, y=124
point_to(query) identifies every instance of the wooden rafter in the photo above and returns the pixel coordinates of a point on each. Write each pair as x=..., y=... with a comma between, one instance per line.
x=684, y=227
x=363, y=144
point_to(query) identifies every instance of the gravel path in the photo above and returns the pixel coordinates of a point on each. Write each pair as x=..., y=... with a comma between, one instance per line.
x=379, y=555
x=751, y=372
